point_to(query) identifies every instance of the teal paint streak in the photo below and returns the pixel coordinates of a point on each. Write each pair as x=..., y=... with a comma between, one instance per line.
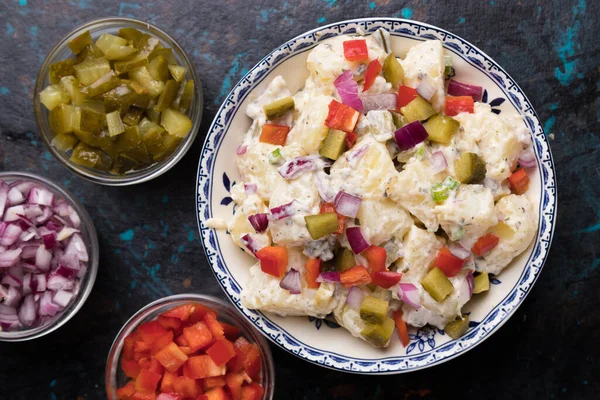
x=53, y=383
x=321, y=20
x=591, y=229
x=461, y=20
x=133, y=284
x=4, y=90
x=372, y=5
x=127, y=236
x=407, y=12
x=52, y=396
x=330, y=3
x=9, y=29
x=554, y=106
x=191, y=236
x=165, y=199
x=22, y=3
x=549, y=124
x=236, y=72
x=34, y=30
x=565, y=47
x=124, y=6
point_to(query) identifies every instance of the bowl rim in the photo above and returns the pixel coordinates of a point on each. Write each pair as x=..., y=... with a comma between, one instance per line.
x=114, y=354
x=93, y=264
x=145, y=174
x=547, y=207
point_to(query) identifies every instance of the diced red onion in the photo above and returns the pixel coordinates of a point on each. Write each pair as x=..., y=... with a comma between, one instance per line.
x=291, y=282
x=168, y=396
x=63, y=298
x=40, y=280
x=328, y=277
x=347, y=204
x=355, y=155
x=15, y=197
x=527, y=159
x=65, y=233
x=47, y=306
x=29, y=250
x=12, y=213
x=23, y=186
x=28, y=266
x=54, y=225
x=49, y=237
x=456, y=88
x=10, y=258
x=69, y=260
x=62, y=209
x=4, y=191
x=409, y=294
x=3, y=292
x=283, y=211
x=8, y=318
x=470, y=282
x=56, y=282
x=410, y=135
x=250, y=243
x=355, y=297
x=27, y=235
x=459, y=251
x=40, y=196
x=66, y=272
x=438, y=162
x=46, y=215
x=299, y=165
x=387, y=101
x=27, y=283
x=356, y=239
x=13, y=297
x=27, y=314
x=11, y=234
x=425, y=89
x=77, y=246
x=347, y=89
x=73, y=217
x=259, y=221
x=43, y=258
x=242, y=148
x=250, y=188
x=322, y=181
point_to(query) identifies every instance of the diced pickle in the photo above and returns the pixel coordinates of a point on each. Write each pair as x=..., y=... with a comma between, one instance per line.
x=399, y=120
x=177, y=72
x=152, y=114
x=176, y=123
x=128, y=140
x=373, y=310
x=469, y=168
x=126, y=95
x=146, y=125
x=91, y=121
x=167, y=53
x=279, y=108
x=437, y=284
x=133, y=116
x=147, y=44
x=103, y=85
x=64, y=118
x=114, y=47
x=70, y=84
x=132, y=35
x=160, y=144
x=333, y=145
x=90, y=71
x=142, y=76
x=159, y=69
x=64, y=141
x=321, y=224
x=417, y=110
x=100, y=139
x=124, y=66
x=393, y=71
x=187, y=96
x=52, y=96
x=95, y=105
x=481, y=283
x=458, y=327
x=114, y=123
x=90, y=157
x=379, y=335
x=167, y=96
x=91, y=52
x=80, y=42
x=441, y=128
x=138, y=154
x=60, y=69
x=344, y=259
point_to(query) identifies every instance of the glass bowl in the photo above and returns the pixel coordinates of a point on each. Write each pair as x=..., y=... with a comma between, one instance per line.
x=61, y=51
x=114, y=376
x=88, y=231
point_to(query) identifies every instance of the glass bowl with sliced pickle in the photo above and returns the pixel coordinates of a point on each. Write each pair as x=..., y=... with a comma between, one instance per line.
x=118, y=101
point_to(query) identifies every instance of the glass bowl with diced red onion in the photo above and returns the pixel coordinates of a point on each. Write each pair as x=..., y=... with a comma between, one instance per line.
x=48, y=256
x=189, y=346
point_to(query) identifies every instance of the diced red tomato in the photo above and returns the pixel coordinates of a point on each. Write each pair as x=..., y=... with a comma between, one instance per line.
x=313, y=270
x=350, y=140
x=221, y=351
x=373, y=70
x=402, y=328
x=147, y=381
x=161, y=342
x=274, y=134
x=405, y=95
x=385, y=279
x=130, y=368
x=485, y=244
x=341, y=117
x=200, y=367
x=376, y=256
x=448, y=262
x=356, y=50
x=273, y=260
x=169, y=322
x=150, y=331
x=252, y=391
x=198, y=336
x=519, y=181
x=217, y=394
x=171, y=357
x=186, y=386
x=231, y=332
x=327, y=208
x=212, y=382
x=457, y=104
x=214, y=326
x=356, y=275
x=126, y=392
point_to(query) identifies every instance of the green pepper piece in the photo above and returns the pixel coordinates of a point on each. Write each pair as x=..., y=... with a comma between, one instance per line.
x=133, y=116
x=481, y=283
x=177, y=72
x=114, y=123
x=70, y=84
x=90, y=71
x=114, y=47
x=344, y=259
x=159, y=69
x=64, y=118
x=53, y=96
x=124, y=66
x=439, y=192
x=165, y=52
x=64, y=141
x=142, y=76
x=393, y=71
x=91, y=120
x=60, y=69
x=373, y=310
x=321, y=224
x=279, y=108
x=441, y=128
x=458, y=327
x=160, y=144
x=132, y=35
x=437, y=284
x=103, y=85
x=187, y=96
x=91, y=157
x=78, y=44
x=399, y=120
x=167, y=96
x=379, y=335
x=334, y=144
x=417, y=110
x=176, y=123
x=275, y=157
x=470, y=168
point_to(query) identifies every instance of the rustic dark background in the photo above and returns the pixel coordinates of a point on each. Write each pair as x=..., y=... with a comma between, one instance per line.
x=148, y=236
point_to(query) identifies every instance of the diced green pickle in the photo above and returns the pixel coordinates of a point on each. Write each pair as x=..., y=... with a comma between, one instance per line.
x=52, y=96
x=344, y=259
x=333, y=145
x=114, y=47
x=142, y=76
x=146, y=125
x=167, y=53
x=437, y=284
x=64, y=118
x=187, y=96
x=159, y=69
x=133, y=116
x=373, y=310
x=417, y=110
x=126, y=95
x=458, y=327
x=128, y=140
x=114, y=123
x=470, y=168
x=91, y=157
x=177, y=72
x=60, y=69
x=393, y=71
x=152, y=114
x=147, y=44
x=80, y=42
x=441, y=128
x=91, y=121
x=176, y=123
x=95, y=105
x=279, y=108
x=70, y=84
x=399, y=120
x=481, y=283
x=138, y=154
x=91, y=52
x=103, y=85
x=160, y=144
x=321, y=224
x=100, y=140
x=132, y=35
x=90, y=71
x=167, y=96
x=124, y=66
x=64, y=141
x=379, y=335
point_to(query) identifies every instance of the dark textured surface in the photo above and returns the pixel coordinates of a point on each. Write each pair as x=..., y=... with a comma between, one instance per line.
x=148, y=233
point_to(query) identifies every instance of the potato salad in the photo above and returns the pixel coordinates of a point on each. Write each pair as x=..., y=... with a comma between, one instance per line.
x=383, y=194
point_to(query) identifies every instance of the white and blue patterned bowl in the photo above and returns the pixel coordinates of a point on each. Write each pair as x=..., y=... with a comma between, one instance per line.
x=319, y=341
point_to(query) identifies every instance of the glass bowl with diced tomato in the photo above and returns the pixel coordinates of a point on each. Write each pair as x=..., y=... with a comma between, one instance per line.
x=189, y=346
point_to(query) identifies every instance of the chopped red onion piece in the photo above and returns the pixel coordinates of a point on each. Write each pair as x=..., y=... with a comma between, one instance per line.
x=355, y=298
x=13, y=297
x=77, y=246
x=347, y=204
x=456, y=88
x=65, y=233
x=470, y=282
x=40, y=196
x=329, y=277
x=11, y=234
x=459, y=251
x=410, y=135
x=46, y=215
x=56, y=282
x=62, y=208
x=47, y=307
x=69, y=260
x=27, y=314
x=299, y=165
x=15, y=197
x=63, y=298
x=291, y=282
x=8, y=318
x=27, y=235
x=387, y=101
x=356, y=239
x=29, y=250
x=527, y=159
x=409, y=294
x=355, y=155
x=321, y=180
x=284, y=211
x=4, y=191
x=49, y=237
x=426, y=89
x=74, y=217
x=28, y=284
x=23, y=186
x=30, y=267
x=250, y=188
x=3, y=292
x=12, y=213
x=54, y=225
x=438, y=162
x=10, y=258
x=259, y=221
x=242, y=148
x=43, y=258
x=40, y=283
x=250, y=243
x=66, y=272
x=347, y=89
